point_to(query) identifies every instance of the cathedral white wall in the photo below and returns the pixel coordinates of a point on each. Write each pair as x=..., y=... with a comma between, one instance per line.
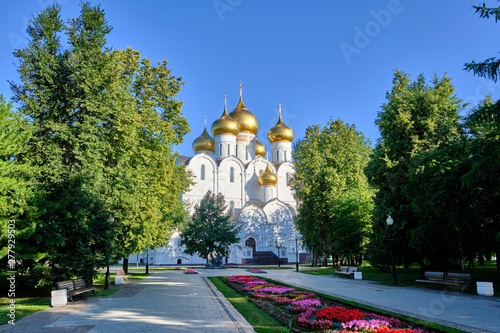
x=285, y=192
x=281, y=151
x=268, y=192
x=252, y=186
x=246, y=147
x=232, y=190
x=201, y=186
x=225, y=145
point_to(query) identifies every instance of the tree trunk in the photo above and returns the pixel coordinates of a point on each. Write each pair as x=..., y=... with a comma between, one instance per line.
x=125, y=265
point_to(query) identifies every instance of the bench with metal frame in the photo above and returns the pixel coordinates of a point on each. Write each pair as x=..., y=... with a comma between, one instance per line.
x=446, y=279
x=75, y=287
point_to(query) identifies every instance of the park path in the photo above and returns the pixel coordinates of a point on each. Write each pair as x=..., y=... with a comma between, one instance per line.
x=170, y=301
x=468, y=312
x=166, y=301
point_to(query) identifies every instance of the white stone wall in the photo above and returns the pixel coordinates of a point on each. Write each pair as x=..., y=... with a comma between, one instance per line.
x=225, y=145
x=281, y=151
x=285, y=172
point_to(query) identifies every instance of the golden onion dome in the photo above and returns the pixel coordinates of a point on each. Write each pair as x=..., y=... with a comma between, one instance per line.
x=225, y=125
x=268, y=177
x=247, y=120
x=204, y=142
x=260, y=149
x=280, y=132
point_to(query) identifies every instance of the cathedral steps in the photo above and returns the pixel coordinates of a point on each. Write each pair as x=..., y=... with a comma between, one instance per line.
x=266, y=258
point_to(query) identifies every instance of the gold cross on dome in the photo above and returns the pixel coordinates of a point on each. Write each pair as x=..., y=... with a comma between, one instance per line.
x=225, y=100
x=205, y=121
x=279, y=109
x=241, y=89
x=267, y=156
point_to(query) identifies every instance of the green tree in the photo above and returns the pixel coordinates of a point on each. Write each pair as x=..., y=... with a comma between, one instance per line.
x=14, y=187
x=336, y=201
x=68, y=95
x=486, y=119
x=489, y=67
x=416, y=118
x=107, y=122
x=146, y=182
x=209, y=232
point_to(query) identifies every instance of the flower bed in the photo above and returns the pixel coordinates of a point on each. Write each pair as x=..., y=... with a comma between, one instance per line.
x=190, y=271
x=304, y=311
x=255, y=270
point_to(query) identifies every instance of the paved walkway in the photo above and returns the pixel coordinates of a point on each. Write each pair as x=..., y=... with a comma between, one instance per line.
x=166, y=301
x=471, y=313
x=170, y=301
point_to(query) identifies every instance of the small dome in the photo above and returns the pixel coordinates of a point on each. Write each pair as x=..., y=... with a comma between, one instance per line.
x=280, y=132
x=247, y=120
x=225, y=125
x=204, y=142
x=268, y=177
x=260, y=149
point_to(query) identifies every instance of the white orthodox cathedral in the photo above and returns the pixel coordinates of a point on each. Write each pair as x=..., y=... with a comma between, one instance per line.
x=257, y=190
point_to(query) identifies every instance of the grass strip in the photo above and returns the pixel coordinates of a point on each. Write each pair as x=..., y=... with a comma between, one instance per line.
x=24, y=307
x=259, y=319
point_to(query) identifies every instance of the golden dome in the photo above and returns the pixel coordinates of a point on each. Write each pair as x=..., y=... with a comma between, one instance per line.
x=260, y=149
x=268, y=177
x=204, y=142
x=247, y=120
x=280, y=132
x=225, y=125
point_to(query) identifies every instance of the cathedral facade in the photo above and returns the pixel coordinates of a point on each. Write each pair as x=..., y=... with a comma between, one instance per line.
x=256, y=188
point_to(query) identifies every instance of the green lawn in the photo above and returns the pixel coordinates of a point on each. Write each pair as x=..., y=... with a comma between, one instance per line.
x=407, y=277
x=24, y=306
x=260, y=320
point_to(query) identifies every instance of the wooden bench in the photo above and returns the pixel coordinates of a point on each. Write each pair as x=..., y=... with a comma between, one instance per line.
x=346, y=271
x=75, y=287
x=446, y=279
x=121, y=272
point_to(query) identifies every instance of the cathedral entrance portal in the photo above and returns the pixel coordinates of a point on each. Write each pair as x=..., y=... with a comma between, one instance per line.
x=250, y=242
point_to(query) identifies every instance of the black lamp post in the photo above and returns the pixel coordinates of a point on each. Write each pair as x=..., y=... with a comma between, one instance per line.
x=147, y=260
x=390, y=221
x=296, y=254
x=107, y=280
x=278, y=246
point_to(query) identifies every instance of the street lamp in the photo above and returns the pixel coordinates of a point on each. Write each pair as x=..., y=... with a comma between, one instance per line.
x=390, y=221
x=296, y=254
x=107, y=280
x=278, y=246
x=147, y=260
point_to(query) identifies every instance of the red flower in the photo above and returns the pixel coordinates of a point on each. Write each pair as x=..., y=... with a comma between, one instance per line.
x=339, y=314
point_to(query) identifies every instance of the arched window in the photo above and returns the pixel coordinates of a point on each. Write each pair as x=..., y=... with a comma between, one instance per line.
x=220, y=149
x=277, y=156
x=236, y=151
x=231, y=175
x=202, y=176
x=231, y=207
x=228, y=150
x=246, y=152
x=287, y=179
x=285, y=155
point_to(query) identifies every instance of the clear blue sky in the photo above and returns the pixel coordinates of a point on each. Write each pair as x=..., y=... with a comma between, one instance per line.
x=320, y=59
